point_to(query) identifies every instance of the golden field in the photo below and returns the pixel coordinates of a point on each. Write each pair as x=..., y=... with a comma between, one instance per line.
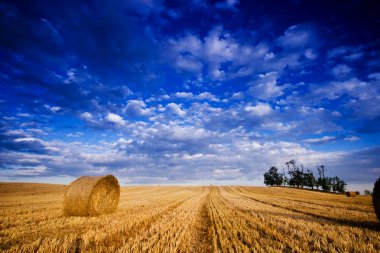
x=189, y=219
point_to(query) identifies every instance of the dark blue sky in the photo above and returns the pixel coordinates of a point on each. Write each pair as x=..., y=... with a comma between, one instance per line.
x=185, y=93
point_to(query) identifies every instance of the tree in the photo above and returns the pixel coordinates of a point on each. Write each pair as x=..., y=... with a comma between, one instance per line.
x=272, y=177
x=309, y=179
x=285, y=179
x=322, y=181
x=295, y=173
x=326, y=184
x=338, y=185
x=367, y=192
x=299, y=177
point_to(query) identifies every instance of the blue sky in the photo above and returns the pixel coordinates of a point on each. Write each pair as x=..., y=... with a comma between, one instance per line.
x=188, y=92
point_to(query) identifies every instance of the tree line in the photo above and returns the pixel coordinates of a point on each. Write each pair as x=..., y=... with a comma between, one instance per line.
x=298, y=176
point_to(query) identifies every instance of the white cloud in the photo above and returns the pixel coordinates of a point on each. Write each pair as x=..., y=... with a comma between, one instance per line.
x=188, y=63
x=296, y=36
x=116, y=119
x=17, y=132
x=75, y=134
x=341, y=70
x=53, y=109
x=363, y=97
x=324, y=139
x=207, y=96
x=352, y=87
x=310, y=54
x=187, y=95
x=163, y=97
x=226, y=174
x=136, y=108
x=151, y=99
x=123, y=144
x=188, y=44
x=26, y=115
x=28, y=139
x=86, y=116
x=238, y=95
x=265, y=86
x=346, y=53
x=175, y=109
x=352, y=138
x=217, y=47
x=279, y=126
x=71, y=76
x=30, y=171
x=374, y=76
x=260, y=109
x=36, y=131
x=178, y=153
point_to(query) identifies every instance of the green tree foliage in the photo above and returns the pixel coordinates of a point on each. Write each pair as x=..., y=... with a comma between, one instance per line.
x=309, y=179
x=338, y=185
x=299, y=177
x=272, y=177
x=295, y=173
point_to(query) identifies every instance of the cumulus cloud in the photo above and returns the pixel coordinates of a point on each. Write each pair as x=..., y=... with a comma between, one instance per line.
x=310, y=54
x=136, y=108
x=238, y=95
x=207, y=96
x=116, y=119
x=53, y=109
x=217, y=47
x=364, y=96
x=187, y=95
x=260, y=109
x=265, y=86
x=174, y=153
x=341, y=71
x=188, y=63
x=297, y=36
x=86, y=116
x=175, y=109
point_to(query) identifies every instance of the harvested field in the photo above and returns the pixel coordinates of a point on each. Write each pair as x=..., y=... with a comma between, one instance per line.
x=189, y=219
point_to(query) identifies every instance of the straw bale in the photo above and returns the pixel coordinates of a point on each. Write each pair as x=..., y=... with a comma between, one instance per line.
x=92, y=196
x=351, y=194
x=376, y=198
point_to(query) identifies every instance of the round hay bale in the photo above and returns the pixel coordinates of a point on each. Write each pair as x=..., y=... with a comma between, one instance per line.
x=351, y=194
x=376, y=198
x=92, y=196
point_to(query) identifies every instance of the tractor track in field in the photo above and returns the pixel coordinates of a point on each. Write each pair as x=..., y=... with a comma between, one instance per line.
x=154, y=234
x=361, y=224
x=202, y=232
x=247, y=191
x=247, y=216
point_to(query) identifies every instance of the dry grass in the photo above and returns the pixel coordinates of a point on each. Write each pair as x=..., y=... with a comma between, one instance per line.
x=189, y=219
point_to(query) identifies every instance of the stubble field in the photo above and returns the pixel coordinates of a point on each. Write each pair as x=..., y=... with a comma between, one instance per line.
x=189, y=219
